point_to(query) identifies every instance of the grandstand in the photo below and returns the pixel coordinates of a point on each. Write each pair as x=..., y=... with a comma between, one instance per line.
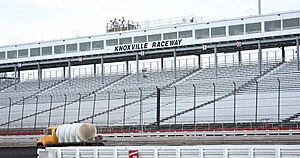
x=237, y=73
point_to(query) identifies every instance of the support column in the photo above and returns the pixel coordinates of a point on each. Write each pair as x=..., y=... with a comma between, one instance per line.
x=216, y=60
x=137, y=67
x=39, y=75
x=127, y=67
x=259, y=58
x=162, y=63
x=95, y=70
x=102, y=70
x=174, y=67
x=240, y=57
x=297, y=49
x=283, y=53
x=69, y=71
x=15, y=77
x=199, y=60
x=19, y=75
x=64, y=72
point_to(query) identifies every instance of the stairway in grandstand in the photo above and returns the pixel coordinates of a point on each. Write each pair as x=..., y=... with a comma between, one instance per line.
x=243, y=76
x=85, y=86
x=162, y=79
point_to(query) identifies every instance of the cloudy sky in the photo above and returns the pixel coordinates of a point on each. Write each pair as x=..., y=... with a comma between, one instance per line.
x=23, y=21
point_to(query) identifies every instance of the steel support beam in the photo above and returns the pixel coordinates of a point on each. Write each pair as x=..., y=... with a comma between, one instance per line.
x=297, y=49
x=39, y=75
x=137, y=67
x=240, y=57
x=162, y=63
x=216, y=60
x=95, y=70
x=127, y=67
x=259, y=58
x=283, y=53
x=174, y=65
x=199, y=60
x=69, y=71
x=64, y=72
x=15, y=76
x=102, y=70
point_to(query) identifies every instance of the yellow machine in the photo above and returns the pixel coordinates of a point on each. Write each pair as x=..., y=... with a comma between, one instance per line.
x=70, y=135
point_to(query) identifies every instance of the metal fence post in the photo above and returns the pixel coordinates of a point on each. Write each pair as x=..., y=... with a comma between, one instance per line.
x=94, y=105
x=214, y=103
x=141, y=109
x=65, y=106
x=278, y=119
x=79, y=108
x=9, y=111
x=124, y=112
x=234, y=103
x=194, y=106
x=175, y=88
x=50, y=109
x=36, y=109
x=23, y=106
x=256, y=102
x=158, y=109
x=108, y=107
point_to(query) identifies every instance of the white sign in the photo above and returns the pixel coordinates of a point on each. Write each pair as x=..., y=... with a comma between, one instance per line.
x=204, y=47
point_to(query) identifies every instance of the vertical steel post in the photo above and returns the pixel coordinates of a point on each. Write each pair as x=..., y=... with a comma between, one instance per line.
x=23, y=106
x=39, y=75
x=50, y=110
x=158, y=110
x=137, y=67
x=69, y=71
x=162, y=63
x=94, y=106
x=102, y=70
x=9, y=112
x=141, y=108
x=108, y=109
x=297, y=49
x=278, y=104
x=36, y=109
x=240, y=57
x=15, y=76
x=234, y=102
x=64, y=72
x=175, y=102
x=194, y=106
x=124, y=111
x=256, y=102
x=283, y=53
x=127, y=67
x=216, y=60
x=199, y=60
x=214, y=103
x=174, y=65
x=259, y=58
x=79, y=107
x=65, y=107
x=95, y=70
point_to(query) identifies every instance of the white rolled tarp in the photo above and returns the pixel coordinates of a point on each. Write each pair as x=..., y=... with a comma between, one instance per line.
x=77, y=132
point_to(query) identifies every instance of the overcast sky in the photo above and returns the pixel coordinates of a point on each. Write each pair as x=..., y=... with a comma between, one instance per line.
x=23, y=21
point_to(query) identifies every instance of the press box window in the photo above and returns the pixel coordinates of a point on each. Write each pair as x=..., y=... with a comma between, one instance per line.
x=272, y=25
x=35, y=52
x=85, y=46
x=2, y=55
x=140, y=39
x=59, y=49
x=47, y=50
x=71, y=48
x=291, y=23
x=202, y=33
x=185, y=34
x=156, y=37
x=11, y=54
x=112, y=42
x=125, y=40
x=218, y=31
x=253, y=28
x=22, y=53
x=96, y=45
x=171, y=35
x=236, y=30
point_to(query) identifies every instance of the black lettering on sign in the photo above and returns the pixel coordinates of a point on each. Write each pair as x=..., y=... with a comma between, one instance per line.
x=153, y=44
